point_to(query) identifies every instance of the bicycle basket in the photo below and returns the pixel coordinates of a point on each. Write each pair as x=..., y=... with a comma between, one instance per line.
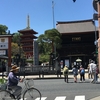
x=30, y=83
x=3, y=84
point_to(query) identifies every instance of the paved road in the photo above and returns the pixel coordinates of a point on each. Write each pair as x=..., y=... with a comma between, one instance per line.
x=57, y=89
x=53, y=88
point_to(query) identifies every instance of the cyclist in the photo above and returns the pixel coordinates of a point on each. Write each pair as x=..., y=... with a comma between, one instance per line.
x=13, y=81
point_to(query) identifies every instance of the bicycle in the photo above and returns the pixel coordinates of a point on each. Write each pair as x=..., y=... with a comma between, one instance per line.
x=28, y=92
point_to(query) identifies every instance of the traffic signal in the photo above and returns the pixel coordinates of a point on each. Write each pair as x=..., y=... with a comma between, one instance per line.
x=74, y=0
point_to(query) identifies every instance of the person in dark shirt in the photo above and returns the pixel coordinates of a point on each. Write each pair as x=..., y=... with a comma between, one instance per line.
x=82, y=73
x=13, y=81
x=75, y=73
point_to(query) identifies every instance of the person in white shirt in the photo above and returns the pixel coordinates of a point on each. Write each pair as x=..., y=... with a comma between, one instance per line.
x=92, y=70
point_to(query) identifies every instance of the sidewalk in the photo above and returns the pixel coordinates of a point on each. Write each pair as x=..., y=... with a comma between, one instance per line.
x=54, y=76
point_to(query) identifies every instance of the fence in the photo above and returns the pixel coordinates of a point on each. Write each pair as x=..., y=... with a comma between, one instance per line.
x=38, y=70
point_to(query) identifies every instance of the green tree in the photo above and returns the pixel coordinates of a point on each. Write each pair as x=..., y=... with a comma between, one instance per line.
x=44, y=47
x=3, y=29
x=14, y=48
x=47, y=41
x=54, y=38
x=16, y=37
x=16, y=45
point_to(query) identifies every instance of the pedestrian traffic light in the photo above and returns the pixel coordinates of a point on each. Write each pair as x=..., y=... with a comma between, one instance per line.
x=74, y=0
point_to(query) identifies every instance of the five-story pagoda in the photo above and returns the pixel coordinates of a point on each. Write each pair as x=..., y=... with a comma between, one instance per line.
x=27, y=38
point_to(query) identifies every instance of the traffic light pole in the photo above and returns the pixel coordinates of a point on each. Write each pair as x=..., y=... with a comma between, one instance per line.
x=98, y=6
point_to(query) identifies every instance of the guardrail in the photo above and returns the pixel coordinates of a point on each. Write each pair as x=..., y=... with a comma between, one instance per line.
x=38, y=70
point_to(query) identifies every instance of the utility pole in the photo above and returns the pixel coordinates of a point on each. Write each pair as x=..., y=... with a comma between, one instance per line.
x=98, y=6
x=53, y=25
x=53, y=14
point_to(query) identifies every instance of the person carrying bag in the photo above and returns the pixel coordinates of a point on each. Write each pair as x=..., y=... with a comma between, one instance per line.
x=65, y=73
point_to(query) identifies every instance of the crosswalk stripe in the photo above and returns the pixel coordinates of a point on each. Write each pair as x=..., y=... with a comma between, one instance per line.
x=82, y=97
x=42, y=98
x=60, y=98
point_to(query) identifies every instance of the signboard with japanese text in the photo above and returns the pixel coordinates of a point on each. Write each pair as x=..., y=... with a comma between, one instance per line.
x=3, y=43
x=2, y=52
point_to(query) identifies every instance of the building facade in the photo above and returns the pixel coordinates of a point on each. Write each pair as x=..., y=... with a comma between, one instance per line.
x=5, y=49
x=78, y=42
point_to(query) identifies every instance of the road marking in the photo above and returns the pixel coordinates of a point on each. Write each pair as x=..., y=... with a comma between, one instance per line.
x=42, y=98
x=60, y=98
x=82, y=97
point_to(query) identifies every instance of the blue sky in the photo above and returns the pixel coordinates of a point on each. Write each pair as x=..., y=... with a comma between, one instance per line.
x=13, y=13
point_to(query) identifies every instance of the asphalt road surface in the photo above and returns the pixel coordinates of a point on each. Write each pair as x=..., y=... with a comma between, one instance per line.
x=57, y=89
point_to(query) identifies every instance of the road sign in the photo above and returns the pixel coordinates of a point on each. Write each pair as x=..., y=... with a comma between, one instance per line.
x=95, y=16
x=2, y=52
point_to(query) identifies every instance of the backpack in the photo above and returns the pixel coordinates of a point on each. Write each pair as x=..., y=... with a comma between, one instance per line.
x=82, y=71
x=66, y=71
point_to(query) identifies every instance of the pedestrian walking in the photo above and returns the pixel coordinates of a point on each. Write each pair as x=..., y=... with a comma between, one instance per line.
x=82, y=73
x=75, y=73
x=93, y=71
x=90, y=76
x=65, y=73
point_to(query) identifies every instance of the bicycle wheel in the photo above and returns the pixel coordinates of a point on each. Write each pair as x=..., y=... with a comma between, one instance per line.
x=32, y=94
x=5, y=95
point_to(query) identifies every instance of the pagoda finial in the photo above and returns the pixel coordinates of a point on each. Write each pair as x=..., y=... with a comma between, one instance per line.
x=28, y=22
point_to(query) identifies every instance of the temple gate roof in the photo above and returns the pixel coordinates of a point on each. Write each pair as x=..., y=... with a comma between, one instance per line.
x=76, y=26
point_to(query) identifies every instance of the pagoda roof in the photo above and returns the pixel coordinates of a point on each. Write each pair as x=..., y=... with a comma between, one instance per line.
x=32, y=36
x=76, y=26
x=27, y=30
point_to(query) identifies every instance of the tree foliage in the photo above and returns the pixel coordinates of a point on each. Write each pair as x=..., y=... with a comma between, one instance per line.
x=47, y=42
x=54, y=38
x=44, y=47
x=16, y=37
x=16, y=45
x=44, y=58
x=14, y=49
x=3, y=29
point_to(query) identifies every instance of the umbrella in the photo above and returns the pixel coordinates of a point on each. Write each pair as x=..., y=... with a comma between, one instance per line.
x=78, y=60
